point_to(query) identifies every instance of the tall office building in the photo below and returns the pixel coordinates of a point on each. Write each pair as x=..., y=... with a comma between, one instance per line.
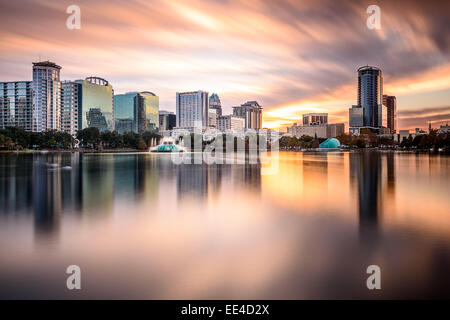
x=71, y=99
x=136, y=112
x=391, y=109
x=214, y=103
x=251, y=111
x=46, y=96
x=16, y=105
x=370, y=95
x=97, y=104
x=147, y=111
x=192, y=109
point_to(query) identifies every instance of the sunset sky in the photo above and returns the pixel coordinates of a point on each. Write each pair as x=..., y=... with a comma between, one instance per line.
x=291, y=56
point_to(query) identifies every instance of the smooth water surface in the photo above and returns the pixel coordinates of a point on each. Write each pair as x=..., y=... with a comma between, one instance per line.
x=140, y=226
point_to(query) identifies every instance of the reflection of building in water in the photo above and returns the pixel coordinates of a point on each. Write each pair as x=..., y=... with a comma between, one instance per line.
x=202, y=180
x=47, y=204
x=15, y=183
x=366, y=168
x=315, y=176
x=97, y=181
x=390, y=173
x=192, y=180
x=133, y=176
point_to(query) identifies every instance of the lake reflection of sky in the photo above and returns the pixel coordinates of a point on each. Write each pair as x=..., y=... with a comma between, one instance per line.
x=142, y=227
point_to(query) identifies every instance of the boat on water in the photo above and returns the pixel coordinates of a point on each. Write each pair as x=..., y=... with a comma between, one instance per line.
x=168, y=145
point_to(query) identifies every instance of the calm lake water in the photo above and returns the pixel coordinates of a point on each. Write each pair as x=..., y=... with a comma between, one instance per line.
x=140, y=226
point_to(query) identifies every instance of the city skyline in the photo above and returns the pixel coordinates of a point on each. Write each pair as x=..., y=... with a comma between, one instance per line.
x=295, y=66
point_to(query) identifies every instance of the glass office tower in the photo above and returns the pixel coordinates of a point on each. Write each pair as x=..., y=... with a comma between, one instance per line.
x=370, y=95
x=147, y=112
x=97, y=104
x=124, y=110
x=47, y=96
x=136, y=112
x=16, y=105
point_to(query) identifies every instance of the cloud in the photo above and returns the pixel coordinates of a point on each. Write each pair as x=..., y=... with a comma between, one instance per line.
x=289, y=55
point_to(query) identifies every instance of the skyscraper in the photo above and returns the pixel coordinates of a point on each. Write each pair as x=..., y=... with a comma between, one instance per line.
x=136, y=112
x=391, y=107
x=46, y=97
x=192, y=109
x=147, y=112
x=71, y=106
x=16, y=105
x=370, y=95
x=214, y=103
x=251, y=111
x=97, y=104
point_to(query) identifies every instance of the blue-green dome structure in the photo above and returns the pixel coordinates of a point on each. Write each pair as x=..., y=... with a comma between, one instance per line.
x=331, y=143
x=167, y=148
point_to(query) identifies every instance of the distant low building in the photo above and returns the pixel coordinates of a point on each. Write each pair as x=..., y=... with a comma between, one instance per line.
x=316, y=125
x=167, y=120
x=444, y=129
x=230, y=123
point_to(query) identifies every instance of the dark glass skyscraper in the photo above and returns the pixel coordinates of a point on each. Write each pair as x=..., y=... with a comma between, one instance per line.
x=370, y=95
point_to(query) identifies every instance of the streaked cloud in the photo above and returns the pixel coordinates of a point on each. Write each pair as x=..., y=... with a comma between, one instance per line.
x=291, y=56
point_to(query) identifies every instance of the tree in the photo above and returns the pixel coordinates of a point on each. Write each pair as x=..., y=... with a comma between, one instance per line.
x=142, y=145
x=89, y=137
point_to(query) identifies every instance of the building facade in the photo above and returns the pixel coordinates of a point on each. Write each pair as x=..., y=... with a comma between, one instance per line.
x=192, y=110
x=230, y=123
x=311, y=119
x=147, y=112
x=16, y=105
x=370, y=95
x=316, y=125
x=167, y=120
x=70, y=107
x=356, y=116
x=124, y=113
x=391, y=112
x=46, y=96
x=136, y=112
x=251, y=111
x=97, y=104
x=214, y=103
x=212, y=118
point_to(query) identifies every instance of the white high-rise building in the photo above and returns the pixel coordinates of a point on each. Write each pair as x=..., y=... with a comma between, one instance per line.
x=47, y=96
x=192, y=110
x=71, y=107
